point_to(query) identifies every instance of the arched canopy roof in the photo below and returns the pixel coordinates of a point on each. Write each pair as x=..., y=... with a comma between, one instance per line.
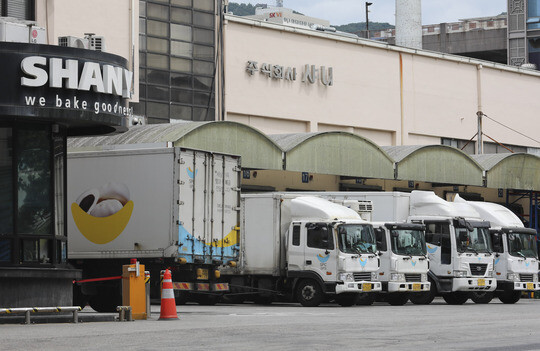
x=255, y=148
x=338, y=153
x=435, y=164
x=511, y=171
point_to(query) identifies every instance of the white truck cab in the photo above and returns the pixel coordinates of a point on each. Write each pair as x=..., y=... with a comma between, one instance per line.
x=516, y=255
x=458, y=246
x=404, y=260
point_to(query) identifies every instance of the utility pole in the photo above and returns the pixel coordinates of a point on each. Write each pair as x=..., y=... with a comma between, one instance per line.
x=368, y=4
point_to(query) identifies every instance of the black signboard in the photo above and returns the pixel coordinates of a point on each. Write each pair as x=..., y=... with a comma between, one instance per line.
x=85, y=90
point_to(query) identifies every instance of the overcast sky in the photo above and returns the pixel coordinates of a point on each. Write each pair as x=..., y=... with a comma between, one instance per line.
x=348, y=11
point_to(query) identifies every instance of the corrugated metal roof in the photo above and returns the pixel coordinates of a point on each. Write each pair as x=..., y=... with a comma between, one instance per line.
x=511, y=170
x=338, y=153
x=435, y=164
x=255, y=148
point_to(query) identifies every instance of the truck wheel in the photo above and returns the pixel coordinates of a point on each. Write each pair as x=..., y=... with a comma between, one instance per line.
x=309, y=293
x=482, y=297
x=182, y=297
x=105, y=302
x=366, y=299
x=346, y=299
x=397, y=299
x=456, y=298
x=426, y=297
x=510, y=297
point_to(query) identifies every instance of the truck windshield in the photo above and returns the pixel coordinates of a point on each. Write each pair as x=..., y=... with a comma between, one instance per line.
x=476, y=241
x=522, y=245
x=356, y=238
x=408, y=242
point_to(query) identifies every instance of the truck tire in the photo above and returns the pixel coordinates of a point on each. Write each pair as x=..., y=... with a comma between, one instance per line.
x=366, y=299
x=482, y=297
x=105, y=302
x=426, y=297
x=456, y=298
x=309, y=293
x=397, y=298
x=346, y=299
x=510, y=297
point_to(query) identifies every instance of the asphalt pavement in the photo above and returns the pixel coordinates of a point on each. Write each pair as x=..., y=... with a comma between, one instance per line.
x=438, y=326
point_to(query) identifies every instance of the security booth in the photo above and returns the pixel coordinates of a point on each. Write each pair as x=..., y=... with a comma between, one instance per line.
x=47, y=93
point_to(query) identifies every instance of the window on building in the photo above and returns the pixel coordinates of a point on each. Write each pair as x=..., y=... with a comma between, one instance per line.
x=21, y=9
x=32, y=204
x=177, y=42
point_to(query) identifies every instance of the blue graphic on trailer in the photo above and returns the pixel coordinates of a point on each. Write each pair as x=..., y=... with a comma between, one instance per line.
x=192, y=246
x=191, y=174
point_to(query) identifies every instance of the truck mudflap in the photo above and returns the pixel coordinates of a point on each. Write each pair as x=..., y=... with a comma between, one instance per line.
x=408, y=286
x=479, y=284
x=200, y=286
x=363, y=286
x=526, y=286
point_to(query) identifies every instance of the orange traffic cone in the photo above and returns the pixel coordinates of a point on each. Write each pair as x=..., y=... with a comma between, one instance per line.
x=168, y=304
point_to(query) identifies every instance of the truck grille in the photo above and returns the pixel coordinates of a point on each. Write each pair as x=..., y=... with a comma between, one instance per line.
x=362, y=276
x=413, y=277
x=526, y=277
x=478, y=268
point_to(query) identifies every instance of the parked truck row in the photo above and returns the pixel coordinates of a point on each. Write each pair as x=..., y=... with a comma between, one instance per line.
x=181, y=209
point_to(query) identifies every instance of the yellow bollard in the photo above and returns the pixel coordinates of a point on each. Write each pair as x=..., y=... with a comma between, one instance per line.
x=134, y=289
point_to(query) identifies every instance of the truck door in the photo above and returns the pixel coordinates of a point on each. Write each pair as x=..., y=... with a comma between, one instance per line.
x=295, y=248
x=320, y=254
x=439, y=247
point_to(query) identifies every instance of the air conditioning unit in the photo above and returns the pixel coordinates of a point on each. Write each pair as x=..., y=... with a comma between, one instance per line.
x=363, y=207
x=19, y=31
x=96, y=42
x=90, y=42
x=73, y=42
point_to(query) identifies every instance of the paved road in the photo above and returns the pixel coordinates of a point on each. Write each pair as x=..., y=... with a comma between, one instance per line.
x=291, y=327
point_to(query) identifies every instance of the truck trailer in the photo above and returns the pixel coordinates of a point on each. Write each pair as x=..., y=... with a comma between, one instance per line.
x=516, y=255
x=168, y=207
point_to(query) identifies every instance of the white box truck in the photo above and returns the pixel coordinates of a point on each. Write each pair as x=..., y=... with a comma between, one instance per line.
x=516, y=255
x=166, y=206
x=303, y=248
x=458, y=242
x=401, y=245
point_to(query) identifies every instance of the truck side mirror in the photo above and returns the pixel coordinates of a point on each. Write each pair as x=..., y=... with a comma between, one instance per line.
x=463, y=236
x=379, y=234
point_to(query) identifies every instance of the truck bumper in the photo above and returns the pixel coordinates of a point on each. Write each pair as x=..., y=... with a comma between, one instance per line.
x=408, y=286
x=358, y=287
x=474, y=284
x=526, y=286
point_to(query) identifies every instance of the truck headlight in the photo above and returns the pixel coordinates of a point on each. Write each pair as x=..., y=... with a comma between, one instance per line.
x=423, y=277
x=490, y=273
x=535, y=278
x=346, y=277
x=397, y=277
x=460, y=274
x=374, y=276
x=513, y=277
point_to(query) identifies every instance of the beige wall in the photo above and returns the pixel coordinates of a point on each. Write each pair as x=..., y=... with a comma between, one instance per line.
x=116, y=20
x=440, y=96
